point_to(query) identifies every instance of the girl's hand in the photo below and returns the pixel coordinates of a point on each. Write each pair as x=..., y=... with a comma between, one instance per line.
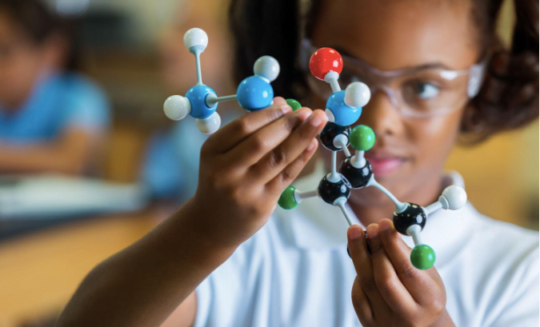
x=246, y=165
x=388, y=289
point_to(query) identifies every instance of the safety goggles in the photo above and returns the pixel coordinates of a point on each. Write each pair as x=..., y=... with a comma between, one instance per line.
x=418, y=92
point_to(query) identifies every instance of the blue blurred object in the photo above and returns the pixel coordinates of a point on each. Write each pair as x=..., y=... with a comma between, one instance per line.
x=197, y=98
x=343, y=114
x=171, y=165
x=162, y=169
x=254, y=93
x=58, y=101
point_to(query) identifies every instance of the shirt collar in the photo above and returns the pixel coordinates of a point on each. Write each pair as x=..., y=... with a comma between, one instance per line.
x=316, y=225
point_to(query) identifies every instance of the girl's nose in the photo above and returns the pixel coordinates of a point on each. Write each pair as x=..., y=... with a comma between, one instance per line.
x=381, y=115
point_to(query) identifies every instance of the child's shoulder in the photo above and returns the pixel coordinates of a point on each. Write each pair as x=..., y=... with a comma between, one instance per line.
x=493, y=266
x=506, y=239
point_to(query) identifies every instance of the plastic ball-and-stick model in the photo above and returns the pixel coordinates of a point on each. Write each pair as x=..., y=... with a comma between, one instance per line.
x=253, y=93
x=343, y=109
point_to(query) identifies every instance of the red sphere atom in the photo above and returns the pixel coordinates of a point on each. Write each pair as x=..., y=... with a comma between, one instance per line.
x=325, y=60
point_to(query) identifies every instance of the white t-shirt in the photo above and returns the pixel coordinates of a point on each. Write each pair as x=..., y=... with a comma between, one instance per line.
x=296, y=272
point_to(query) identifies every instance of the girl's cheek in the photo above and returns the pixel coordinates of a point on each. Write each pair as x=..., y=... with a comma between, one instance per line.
x=434, y=138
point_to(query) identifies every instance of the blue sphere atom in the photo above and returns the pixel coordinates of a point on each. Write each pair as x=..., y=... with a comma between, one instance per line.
x=343, y=114
x=254, y=93
x=197, y=97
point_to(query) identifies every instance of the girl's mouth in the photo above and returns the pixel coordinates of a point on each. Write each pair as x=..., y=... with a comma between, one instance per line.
x=384, y=164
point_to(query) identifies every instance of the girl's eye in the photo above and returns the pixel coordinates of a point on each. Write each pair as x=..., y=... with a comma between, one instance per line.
x=426, y=90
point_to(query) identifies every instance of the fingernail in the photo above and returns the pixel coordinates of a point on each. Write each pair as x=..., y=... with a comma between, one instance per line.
x=315, y=120
x=354, y=232
x=279, y=100
x=312, y=145
x=385, y=225
x=304, y=113
x=372, y=231
x=285, y=108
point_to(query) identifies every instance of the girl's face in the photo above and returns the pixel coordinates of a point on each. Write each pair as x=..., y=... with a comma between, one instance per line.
x=409, y=153
x=21, y=63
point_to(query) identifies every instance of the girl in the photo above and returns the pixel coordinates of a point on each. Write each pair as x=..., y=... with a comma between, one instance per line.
x=51, y=119
x=230, y=262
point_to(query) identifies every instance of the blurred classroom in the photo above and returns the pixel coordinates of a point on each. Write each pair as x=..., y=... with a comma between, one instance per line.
x=138, y=166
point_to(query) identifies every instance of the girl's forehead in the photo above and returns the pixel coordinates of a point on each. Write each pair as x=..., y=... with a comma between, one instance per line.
x=394, y=34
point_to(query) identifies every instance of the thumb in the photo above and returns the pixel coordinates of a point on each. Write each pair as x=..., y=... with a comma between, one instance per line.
x=358, y=248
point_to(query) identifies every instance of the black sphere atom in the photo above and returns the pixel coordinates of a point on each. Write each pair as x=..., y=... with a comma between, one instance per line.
x=357, y=177
x=330, y=192
x=413, y=215
x=329, y=133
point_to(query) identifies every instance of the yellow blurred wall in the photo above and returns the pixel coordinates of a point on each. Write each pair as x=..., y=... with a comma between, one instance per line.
x=501, y=175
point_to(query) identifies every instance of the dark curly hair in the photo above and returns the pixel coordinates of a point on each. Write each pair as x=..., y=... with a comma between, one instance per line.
x=38, y=24
x=507, y=100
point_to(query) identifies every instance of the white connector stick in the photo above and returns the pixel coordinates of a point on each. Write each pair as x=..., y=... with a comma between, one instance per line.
x=332, y=78
x=333, y=176
x=299, y=196
x=340, y=141
x=340, y=202
x=414, y=231
x=197, y=54
x=212, y=99
x=400, y=206
x=358, y=160
x=432, y=208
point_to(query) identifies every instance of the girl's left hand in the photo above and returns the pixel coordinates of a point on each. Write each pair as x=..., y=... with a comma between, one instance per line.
x=388, y=289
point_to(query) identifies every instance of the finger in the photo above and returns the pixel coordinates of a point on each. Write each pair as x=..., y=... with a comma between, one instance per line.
x=263, y=141
x=279, y=101
x=417, y=282
x=289, y=174
x=239, y=129
x=392, y=290
x=361, y=304
x=274, y=162
x=362, y=264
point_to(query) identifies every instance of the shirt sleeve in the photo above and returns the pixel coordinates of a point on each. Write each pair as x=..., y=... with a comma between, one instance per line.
x=87, y=106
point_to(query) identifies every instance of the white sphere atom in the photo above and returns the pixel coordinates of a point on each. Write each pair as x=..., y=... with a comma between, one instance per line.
x=330, y=115
x=177, y=107
x=357, y=94
x=455, y=196
x=195, y=38
x=209, y=125
x=267, y=67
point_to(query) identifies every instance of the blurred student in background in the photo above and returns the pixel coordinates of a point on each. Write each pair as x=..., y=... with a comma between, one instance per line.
x=52, y=120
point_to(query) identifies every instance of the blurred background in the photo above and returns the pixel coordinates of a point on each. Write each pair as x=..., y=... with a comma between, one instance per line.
x=82, y=180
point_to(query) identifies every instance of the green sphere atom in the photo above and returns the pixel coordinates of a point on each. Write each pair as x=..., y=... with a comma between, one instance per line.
x=423, y=257
x=287, y=200
x=362, y=138
x=295, y=105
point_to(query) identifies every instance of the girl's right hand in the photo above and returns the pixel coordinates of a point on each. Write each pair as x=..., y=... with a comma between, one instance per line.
x=246, y=165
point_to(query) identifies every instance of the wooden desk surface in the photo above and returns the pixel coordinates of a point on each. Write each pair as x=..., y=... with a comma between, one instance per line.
x=39, y=272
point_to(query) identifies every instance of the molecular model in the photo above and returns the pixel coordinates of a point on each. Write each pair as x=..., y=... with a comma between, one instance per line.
x=343, y=109
x=253, y=93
